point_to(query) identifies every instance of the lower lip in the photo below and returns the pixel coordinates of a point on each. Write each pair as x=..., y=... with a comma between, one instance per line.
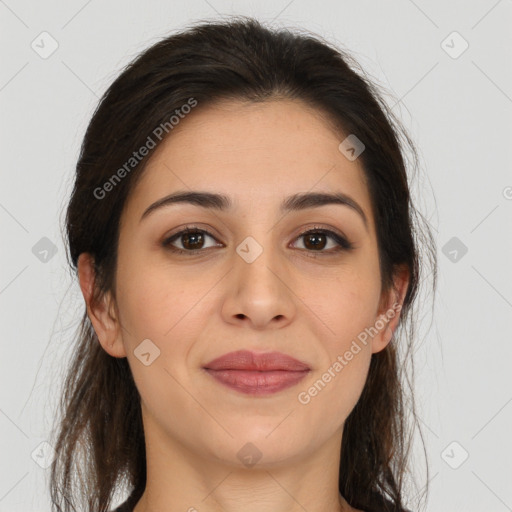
x=257, y=383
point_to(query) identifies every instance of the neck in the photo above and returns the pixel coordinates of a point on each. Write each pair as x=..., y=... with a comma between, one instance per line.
x=181, y=479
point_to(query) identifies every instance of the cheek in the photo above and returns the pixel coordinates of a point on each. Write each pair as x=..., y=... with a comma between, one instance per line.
x=156, y=306
x=152, y=300
x=346, y=307
x=347, y=311
x=165, y=307
x=335, y=388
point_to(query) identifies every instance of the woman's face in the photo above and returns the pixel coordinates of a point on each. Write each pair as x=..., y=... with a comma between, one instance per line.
x=253, y=284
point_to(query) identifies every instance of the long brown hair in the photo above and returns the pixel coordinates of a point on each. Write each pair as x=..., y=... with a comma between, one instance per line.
x=99, y=433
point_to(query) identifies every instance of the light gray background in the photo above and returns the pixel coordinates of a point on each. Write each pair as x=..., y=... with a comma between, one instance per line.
x=459, y=112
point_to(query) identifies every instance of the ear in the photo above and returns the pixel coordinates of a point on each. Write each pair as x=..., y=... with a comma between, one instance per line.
x=103, y=314
x=390, y=306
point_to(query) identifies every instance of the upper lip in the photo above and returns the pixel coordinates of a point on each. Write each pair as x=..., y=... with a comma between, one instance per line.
x=252, y=361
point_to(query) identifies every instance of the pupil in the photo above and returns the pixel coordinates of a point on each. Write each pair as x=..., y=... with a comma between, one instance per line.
x=314, y=237
x=188, y=237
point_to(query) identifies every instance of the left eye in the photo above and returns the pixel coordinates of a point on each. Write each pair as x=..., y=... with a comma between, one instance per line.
x=316, y=237
x=192, y=240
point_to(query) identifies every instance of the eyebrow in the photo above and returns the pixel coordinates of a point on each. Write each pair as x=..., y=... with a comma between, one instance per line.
x=222, y=202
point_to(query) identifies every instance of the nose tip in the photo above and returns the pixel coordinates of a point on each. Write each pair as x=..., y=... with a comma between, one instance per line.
x=257, y=295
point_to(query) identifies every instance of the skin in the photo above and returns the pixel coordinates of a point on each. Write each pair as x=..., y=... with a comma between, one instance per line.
x=196, y=308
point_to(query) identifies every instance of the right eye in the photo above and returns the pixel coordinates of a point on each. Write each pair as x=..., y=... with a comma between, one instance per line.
x=190, y=236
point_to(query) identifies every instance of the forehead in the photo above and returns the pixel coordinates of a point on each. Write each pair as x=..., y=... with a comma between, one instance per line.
x=257, y=153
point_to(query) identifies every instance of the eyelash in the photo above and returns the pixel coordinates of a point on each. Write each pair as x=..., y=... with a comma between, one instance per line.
x=343, y=243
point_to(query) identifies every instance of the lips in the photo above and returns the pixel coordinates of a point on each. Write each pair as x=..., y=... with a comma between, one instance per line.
x=257, y=374
x=246, y=360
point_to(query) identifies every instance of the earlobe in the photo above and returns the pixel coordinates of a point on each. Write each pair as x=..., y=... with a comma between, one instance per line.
x=386, y=328
x=389, y=312
x=100, y=312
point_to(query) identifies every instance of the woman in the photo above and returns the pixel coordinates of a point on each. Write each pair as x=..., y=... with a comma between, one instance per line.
x=246, y=245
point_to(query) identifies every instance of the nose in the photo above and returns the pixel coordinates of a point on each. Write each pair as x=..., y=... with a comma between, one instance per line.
x=259, y=293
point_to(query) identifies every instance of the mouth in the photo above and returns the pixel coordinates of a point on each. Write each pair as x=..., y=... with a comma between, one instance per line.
x=257, y=374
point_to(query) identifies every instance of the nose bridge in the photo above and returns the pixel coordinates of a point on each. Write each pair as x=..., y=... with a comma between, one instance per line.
x=257, y=255
x=257, y=286
x=259, y=244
